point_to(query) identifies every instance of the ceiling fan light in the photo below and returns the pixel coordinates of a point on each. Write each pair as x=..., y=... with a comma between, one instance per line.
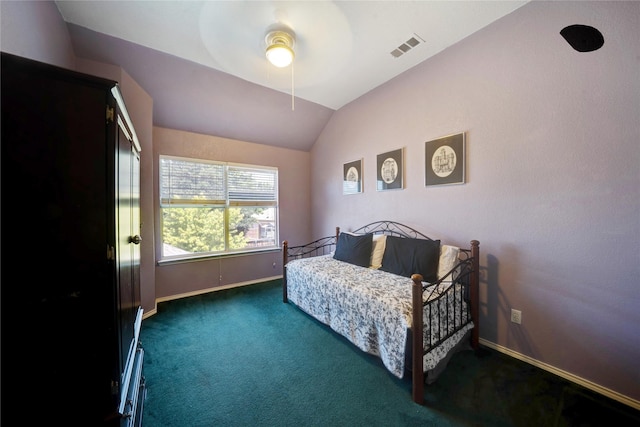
x=280, y=55
x=280, y=48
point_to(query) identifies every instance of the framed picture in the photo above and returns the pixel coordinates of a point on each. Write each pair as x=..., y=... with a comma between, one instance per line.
x=352, y=177
x=390, y=170
x=445, y=160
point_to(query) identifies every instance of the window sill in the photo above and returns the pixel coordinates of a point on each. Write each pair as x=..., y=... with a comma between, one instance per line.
x=209, y=257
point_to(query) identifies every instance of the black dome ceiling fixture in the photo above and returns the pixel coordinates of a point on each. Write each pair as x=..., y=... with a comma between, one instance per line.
x=583, y=38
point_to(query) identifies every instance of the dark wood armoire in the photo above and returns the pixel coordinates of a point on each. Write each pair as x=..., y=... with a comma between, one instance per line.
x=70, y=230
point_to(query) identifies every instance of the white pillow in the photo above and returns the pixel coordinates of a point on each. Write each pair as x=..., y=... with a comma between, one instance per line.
x=448, y=259
x=379, y=243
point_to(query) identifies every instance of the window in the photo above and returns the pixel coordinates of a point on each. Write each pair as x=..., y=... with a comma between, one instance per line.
x=214, y=208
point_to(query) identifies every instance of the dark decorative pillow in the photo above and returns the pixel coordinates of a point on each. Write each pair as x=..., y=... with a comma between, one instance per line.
x=405, y=256
x=354, y=249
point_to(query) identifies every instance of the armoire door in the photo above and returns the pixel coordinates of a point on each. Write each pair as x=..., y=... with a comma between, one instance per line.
x=128, y=237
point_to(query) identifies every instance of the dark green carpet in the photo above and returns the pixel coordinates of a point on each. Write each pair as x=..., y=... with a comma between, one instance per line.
x=241, y=357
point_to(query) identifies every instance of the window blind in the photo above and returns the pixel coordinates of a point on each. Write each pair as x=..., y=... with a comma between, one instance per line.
x=189, y=183
x=252, y=186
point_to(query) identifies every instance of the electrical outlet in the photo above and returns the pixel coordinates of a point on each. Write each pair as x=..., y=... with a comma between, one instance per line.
x=516, y=316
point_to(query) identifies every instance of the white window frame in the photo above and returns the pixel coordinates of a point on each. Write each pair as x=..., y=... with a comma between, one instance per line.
x=200, y=195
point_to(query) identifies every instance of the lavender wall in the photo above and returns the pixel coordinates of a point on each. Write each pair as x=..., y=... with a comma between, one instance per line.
x=181, y=279
x=553, y=180
x=50, y=43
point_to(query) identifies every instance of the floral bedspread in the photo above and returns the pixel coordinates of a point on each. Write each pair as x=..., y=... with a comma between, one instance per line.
x=372, y=308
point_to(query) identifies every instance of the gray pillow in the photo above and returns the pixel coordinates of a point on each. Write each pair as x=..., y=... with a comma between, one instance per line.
x=406, y=256
x=354, y=249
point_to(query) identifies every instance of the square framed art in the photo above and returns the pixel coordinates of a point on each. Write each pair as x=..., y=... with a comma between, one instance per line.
x=445, y=160
x=390, y=172
x=352, y=177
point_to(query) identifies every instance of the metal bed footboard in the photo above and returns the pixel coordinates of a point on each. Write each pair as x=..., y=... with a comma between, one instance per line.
x=465, y=274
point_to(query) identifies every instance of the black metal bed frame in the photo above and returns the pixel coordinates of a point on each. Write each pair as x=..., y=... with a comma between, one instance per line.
x=465, y=273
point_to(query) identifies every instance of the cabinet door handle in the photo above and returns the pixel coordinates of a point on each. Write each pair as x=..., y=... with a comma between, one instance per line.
x=135, y=239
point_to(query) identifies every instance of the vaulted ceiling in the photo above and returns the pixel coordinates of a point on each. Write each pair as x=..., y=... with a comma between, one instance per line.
x=204, y=65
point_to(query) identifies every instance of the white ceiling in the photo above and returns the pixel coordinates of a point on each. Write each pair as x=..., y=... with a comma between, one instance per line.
x=343, y=48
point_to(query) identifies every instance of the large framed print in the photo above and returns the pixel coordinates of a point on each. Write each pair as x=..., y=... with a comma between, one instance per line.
x=445, y=160
x=352, y=177
x=390, y=170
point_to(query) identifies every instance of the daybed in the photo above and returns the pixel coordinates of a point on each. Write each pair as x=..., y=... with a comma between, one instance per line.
x=364, y=285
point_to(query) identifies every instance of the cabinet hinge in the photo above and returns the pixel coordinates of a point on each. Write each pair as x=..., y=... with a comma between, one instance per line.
x=111, y=253
x=110, y=113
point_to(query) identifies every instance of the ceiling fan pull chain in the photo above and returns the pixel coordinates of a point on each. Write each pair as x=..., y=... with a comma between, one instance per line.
x=292, y=94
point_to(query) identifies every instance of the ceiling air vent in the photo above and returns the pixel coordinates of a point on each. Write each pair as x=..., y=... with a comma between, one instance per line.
x=407, y=46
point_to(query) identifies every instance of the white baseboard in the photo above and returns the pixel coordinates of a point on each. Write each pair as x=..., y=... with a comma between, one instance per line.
x=150, y=312
x=566, y=375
